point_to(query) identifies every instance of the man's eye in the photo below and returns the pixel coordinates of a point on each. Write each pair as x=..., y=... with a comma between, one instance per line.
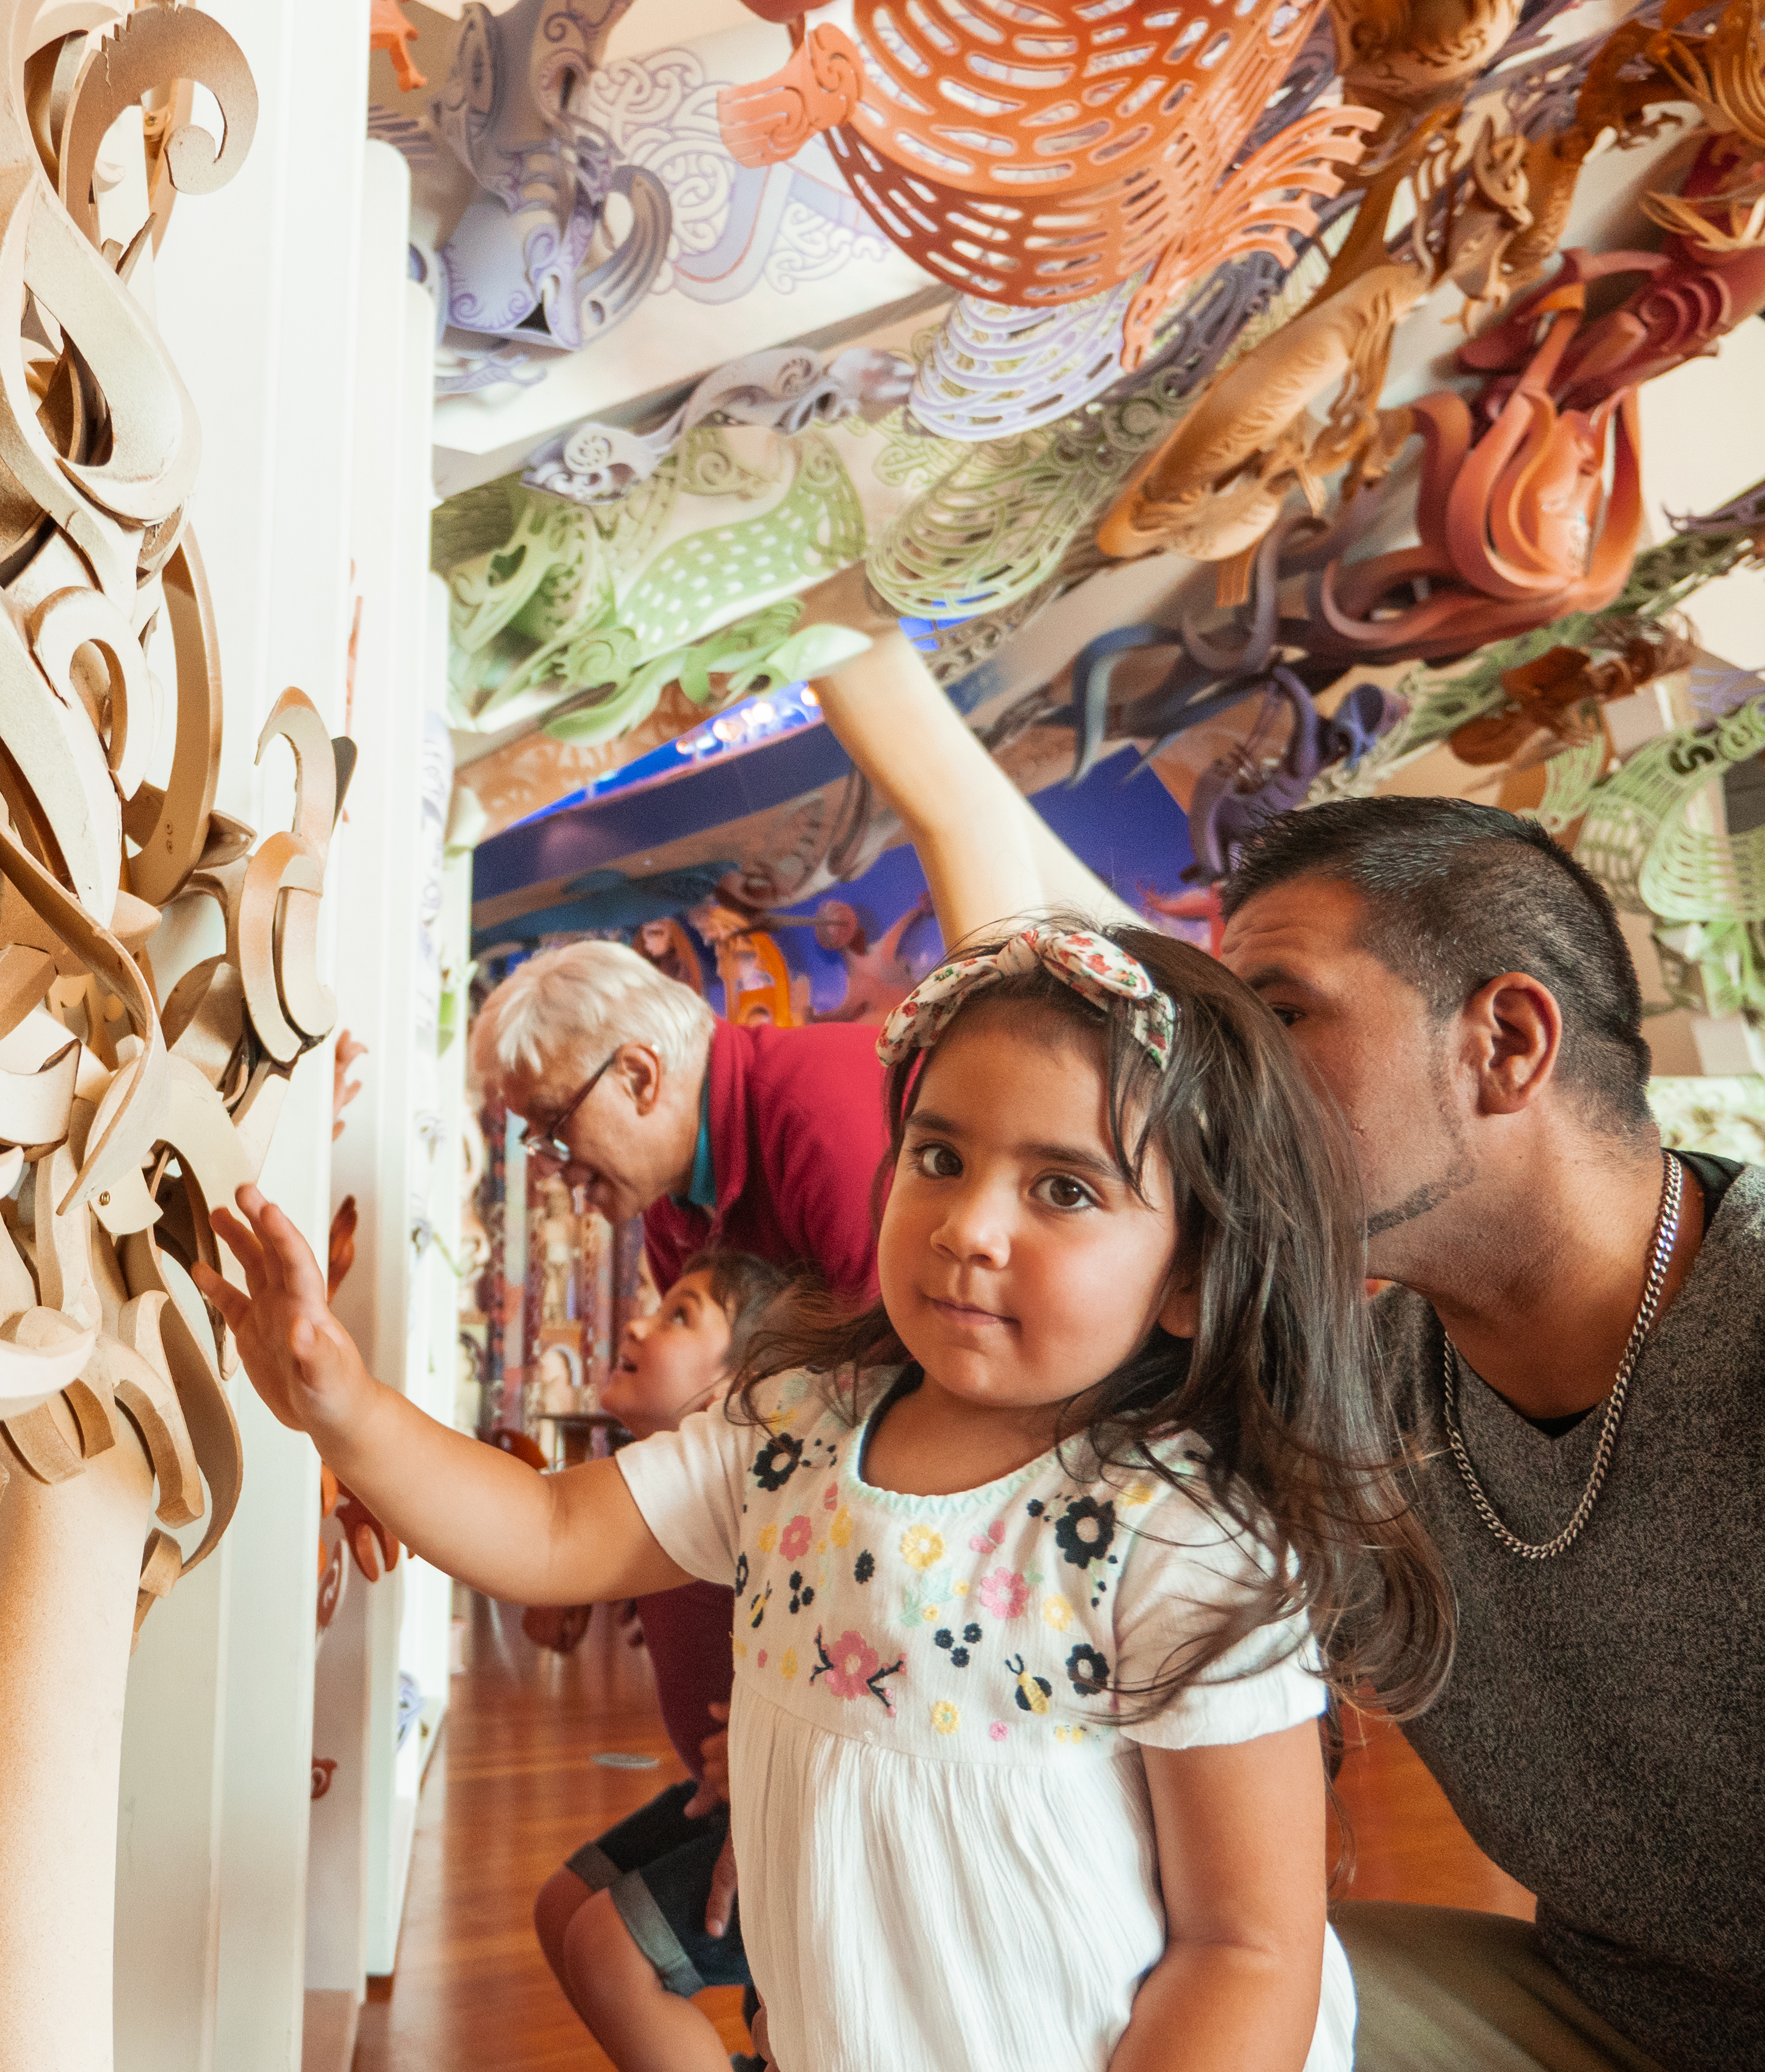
x=1060, y=1190
x=1286, y=1015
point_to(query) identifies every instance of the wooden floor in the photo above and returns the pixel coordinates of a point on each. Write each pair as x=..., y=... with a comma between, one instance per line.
x=514, y=1787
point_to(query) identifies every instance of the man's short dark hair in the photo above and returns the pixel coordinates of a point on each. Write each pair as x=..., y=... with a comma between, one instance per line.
x=1455, y=894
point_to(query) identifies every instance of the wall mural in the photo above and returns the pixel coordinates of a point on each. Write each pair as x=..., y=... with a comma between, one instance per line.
x=129, y=1103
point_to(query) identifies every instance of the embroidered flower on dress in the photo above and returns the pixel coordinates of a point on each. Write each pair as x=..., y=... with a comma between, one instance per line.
x=1058, y=1613
x=839, y=1531
x=1088, y=1669
x=802, y=1593
x=768, y=1537
x=1084, y=1533
x=864, y=1567
x=1004, y=1593
x=776, y=1462
x=787, y=1667
x=854, y=1667
x=794, y=1541
x=945, y=1716
x=945, y=1639
x=741, y=1573
x=920, y=1546
x=998, y=1731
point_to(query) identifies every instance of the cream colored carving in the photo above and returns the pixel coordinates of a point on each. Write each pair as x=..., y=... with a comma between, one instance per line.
x=125, y=1116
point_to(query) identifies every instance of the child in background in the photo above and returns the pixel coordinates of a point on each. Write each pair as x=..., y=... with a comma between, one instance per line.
x=623, y=1923
x=1031, y=1560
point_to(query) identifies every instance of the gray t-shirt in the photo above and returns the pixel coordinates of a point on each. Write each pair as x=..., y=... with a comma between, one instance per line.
x=1602, y=1736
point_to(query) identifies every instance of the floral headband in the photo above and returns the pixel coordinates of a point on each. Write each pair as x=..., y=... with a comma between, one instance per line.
x=1090, y=964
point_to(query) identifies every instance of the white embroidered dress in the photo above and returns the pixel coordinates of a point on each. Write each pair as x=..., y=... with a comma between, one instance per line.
x=943, y=1830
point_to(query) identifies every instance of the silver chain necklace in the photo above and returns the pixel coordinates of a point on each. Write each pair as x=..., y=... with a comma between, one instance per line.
x=1660, y=1251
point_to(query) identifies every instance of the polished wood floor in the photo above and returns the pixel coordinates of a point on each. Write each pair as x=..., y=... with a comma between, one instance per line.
x=514, y=1787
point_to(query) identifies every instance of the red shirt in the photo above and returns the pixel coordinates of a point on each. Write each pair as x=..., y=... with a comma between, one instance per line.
x=797, y=1134
x=687, y=1632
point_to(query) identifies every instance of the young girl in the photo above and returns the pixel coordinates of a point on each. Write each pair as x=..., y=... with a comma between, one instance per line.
x=1031, y=1562
x=625, y=1924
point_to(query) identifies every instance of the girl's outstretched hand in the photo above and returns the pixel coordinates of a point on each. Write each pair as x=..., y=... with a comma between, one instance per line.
x=301, y=1360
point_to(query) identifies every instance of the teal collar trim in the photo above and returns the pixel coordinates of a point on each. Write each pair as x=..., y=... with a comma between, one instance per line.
x=701, y=1191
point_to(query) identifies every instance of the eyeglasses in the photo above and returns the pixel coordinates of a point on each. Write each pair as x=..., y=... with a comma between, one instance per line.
x=550, y=1142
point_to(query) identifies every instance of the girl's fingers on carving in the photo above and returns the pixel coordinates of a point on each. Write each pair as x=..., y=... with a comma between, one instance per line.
x=243, y=1245
x=235, y=1307
x=296, y=1268
x=258, y=1209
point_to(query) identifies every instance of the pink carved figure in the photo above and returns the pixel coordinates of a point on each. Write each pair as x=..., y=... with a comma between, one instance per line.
x=877, y=980
x=1518, y=526
x=1705, y=280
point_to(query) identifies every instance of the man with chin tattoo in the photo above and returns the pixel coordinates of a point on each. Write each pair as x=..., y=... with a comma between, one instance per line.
x=1575, y=1346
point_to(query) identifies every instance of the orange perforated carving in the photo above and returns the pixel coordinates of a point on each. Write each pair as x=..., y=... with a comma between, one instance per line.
x=1038, y=151
x=1006, y=97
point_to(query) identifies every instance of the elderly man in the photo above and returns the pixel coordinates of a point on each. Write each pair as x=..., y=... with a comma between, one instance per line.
x=759, y=1140
x=1576, y=1345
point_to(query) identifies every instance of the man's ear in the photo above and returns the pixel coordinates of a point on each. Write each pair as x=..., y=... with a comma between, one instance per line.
x=1514, y=1029
x=1180, y=1312
x=640, y=1072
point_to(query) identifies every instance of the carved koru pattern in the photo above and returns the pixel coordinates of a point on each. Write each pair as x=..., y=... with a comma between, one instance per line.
x=129, y=1109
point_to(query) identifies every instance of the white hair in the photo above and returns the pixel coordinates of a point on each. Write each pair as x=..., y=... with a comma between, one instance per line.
x=583, y=1002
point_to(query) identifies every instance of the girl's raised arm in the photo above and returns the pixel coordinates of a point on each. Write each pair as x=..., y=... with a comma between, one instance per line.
x=986, y=852
x=1242, y=1843
x=569, y=1539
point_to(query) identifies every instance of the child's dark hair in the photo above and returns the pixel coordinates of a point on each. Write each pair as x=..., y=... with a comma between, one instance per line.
x=1279, y=1380
x=744, y=1287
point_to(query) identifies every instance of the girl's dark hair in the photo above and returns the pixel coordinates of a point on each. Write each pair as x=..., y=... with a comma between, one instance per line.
x=744, y=1287
x=1279, y=1380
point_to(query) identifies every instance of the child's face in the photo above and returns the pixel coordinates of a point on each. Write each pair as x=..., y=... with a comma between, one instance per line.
x=671, y=1362
x=1018, y=1266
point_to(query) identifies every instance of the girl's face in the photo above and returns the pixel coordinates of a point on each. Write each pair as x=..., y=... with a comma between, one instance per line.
x=1018, y=1266
x=671, y=1362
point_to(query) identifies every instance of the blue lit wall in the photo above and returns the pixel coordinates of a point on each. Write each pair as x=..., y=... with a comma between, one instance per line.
x=1129, y=829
